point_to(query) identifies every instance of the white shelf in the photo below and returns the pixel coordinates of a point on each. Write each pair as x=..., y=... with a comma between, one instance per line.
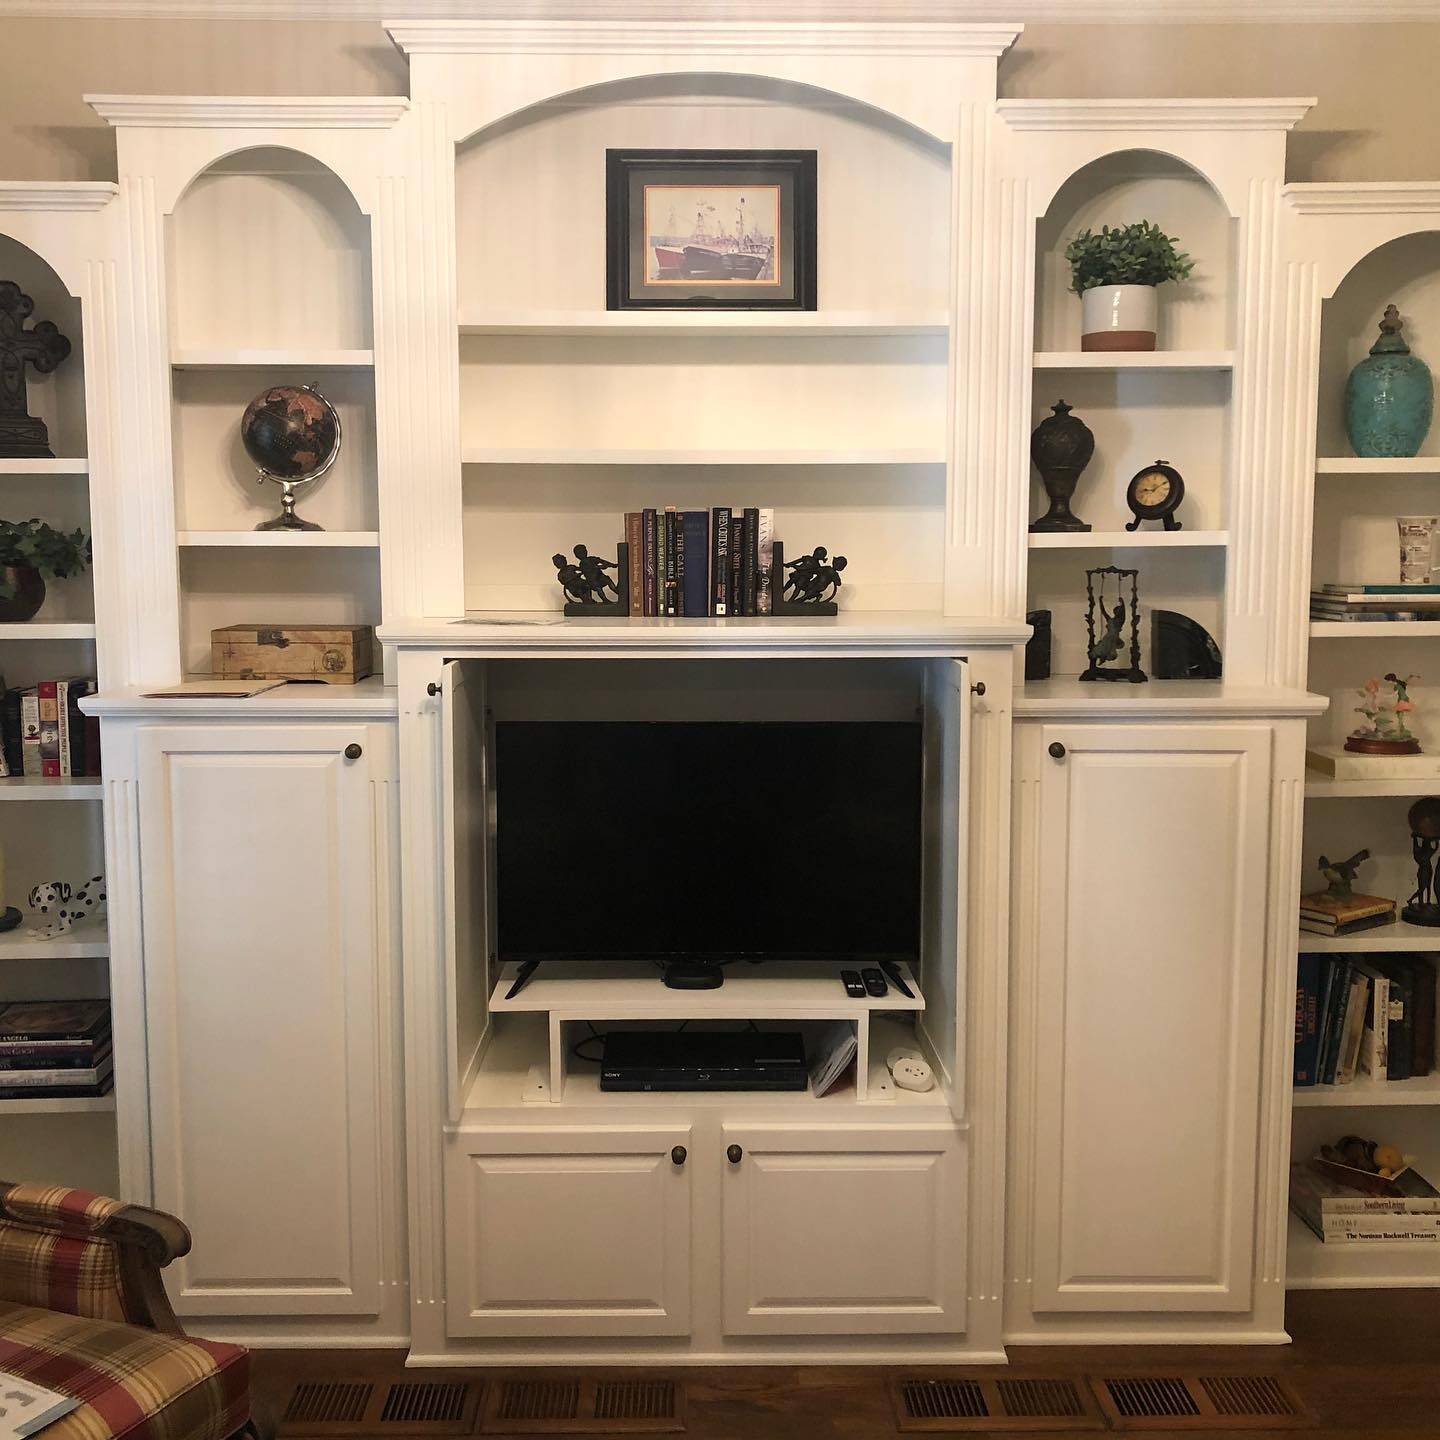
x=1134, y=360
x=480, y=455
x=48, y=630
x=60, y=1105
x=1321, y=787
x=87, y=941
x=1422, y=1090
x=635, y=991
x=1133, y=540
x=40, y=787
x=1371, y=629
x=206, y=359
x=1399, y=936
x=280, y=539
x=1355, y=465
x=1358, y=1266
x=69, y=466
x=642, y=323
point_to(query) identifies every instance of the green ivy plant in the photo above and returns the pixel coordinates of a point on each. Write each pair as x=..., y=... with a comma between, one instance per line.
x=1138, y=254
x=56, y=554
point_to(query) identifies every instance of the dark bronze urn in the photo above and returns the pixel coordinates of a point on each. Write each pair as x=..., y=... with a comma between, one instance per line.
x=1060, y=447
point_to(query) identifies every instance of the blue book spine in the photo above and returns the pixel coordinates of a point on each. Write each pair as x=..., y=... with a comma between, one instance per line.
x=695, y=527
x=1307, y=1019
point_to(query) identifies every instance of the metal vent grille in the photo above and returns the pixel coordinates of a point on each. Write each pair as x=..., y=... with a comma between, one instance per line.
x=1048, y=1399
x=530, y=1400
x=1249, y=1395
x=328, y=1403
x=424, y=1402
x=943, y=1400
x=635, y=1400
x=1151, y=1396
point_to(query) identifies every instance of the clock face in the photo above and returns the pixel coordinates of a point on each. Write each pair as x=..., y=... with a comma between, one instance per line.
x=1153, y=488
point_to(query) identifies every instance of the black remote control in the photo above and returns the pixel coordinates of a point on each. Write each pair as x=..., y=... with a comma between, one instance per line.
x=874, y=982
x=854, y=986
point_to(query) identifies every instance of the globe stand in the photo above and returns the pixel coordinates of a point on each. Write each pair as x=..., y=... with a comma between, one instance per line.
x=287, y=519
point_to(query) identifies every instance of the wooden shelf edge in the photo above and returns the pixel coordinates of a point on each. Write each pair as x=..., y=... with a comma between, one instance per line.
x=48, y=630
x=1132, y=540
x=278, y=539
x=42, y=787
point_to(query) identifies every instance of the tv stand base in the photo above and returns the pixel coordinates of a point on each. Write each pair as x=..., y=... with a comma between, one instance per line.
x=693, y=975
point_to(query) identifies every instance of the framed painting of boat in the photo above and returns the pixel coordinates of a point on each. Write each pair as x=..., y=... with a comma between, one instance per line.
x=710, y=229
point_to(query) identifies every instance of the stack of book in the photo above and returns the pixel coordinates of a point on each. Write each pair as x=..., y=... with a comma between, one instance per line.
x=1341, y=1216
x=1371, y=1015
x=700, y=562
x=42, y=731
x=1389, y=600
x=1326, y=914
x=52, y=1049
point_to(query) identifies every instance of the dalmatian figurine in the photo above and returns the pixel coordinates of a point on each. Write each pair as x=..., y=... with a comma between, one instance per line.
x=63, y=907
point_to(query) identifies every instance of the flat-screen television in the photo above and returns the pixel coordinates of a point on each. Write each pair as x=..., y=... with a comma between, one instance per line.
x=708, y=842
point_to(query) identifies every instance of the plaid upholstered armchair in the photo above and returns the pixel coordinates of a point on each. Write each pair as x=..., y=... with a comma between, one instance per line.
x=82, y=1311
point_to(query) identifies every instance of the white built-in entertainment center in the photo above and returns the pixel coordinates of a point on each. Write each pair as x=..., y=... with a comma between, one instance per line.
x=317, y=1064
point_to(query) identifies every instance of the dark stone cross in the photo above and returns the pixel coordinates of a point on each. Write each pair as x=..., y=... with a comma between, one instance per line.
x=42, y=346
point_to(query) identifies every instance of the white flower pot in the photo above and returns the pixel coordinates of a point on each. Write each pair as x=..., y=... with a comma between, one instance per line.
x=1118, y=317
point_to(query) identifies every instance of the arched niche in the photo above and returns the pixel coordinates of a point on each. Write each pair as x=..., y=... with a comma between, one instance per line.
x=59, y=397
x=1120, y=188
x=268, y=249
x=530, y=189
x=1404, y=272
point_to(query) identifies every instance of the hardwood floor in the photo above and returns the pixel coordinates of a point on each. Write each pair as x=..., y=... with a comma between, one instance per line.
x=1365, y=1363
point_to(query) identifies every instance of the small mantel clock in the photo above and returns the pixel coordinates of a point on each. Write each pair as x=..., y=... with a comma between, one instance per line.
x=1155, y=494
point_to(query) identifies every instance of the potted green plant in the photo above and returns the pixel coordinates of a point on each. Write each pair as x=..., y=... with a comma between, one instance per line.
x=1115, y=274
x=31, y=551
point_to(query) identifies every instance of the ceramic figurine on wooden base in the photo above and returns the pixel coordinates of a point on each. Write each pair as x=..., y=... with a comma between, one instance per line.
x=1386, y=712
x=1107, y=640
x=1389, y=397
x=44, y=347
x=1422, y=908
x=1340, y=874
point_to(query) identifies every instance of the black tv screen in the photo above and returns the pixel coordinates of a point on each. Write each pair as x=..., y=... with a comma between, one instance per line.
x=710, y=841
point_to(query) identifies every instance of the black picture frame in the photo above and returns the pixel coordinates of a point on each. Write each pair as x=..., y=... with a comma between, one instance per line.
x=636, y=282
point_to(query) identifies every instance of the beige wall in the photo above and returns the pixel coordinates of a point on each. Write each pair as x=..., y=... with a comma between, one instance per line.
x=1378, y=116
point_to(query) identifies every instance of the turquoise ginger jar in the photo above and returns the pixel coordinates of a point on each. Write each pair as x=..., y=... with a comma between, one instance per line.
x=1389, y=397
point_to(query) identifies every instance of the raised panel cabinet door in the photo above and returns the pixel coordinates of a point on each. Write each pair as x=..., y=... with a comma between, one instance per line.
x=560, y=1231
x=1151, y=940
x=259, y=876
x=843, y=1230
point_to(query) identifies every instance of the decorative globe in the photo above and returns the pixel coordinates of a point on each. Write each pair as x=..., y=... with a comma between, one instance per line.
x=291, y=432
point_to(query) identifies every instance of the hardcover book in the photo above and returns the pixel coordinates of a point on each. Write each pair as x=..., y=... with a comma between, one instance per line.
x=695, y=582
x=764, y=560
x=651, y=522
x=635, y=540
x=1307, y=1018
x=750, y=560
x=54, y=1021
x=737, y=563
x=720, y=559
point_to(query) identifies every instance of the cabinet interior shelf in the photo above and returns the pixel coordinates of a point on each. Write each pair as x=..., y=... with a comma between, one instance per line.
x=1399, y=936
x=87, y=941
x=1371, y=629
x=220, y=359
x=1321, y=787
x=48, y=787
x=48, y=630
x=528, y=456
x=1422, y=1090
x=68, y=465
x=1134, y=360
x=1136, y=540
x=60, y=1105
x=641, y=323
x=1316, y=1266
x=1358, y=465
x=279, y=539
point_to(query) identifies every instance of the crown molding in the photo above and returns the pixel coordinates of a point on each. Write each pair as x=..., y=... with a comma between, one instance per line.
x=1090, y=115
x=705, y=37
x=56, y=195
x=400, y=13
x=1416, y=197
x=251, y=112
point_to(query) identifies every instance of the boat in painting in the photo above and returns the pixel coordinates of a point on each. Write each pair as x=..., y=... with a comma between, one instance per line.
x=747, y=255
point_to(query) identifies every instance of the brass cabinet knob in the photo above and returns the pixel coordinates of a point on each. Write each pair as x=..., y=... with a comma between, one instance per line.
x=353, y=751
x=1057, y=750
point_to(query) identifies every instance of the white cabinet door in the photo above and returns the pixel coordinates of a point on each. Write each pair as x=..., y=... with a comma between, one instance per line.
x=259, y=858
x=1151, y=941
x=843, y=1230
x=558, y=1231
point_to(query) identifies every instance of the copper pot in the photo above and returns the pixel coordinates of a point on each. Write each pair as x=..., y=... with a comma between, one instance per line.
x=29, y=594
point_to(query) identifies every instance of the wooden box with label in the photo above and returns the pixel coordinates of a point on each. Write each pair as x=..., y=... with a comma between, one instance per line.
x=336, y=654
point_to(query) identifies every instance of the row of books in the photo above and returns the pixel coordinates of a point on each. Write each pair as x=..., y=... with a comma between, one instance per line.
x=1388, y=600
x=55, y=1048
x=1339, y=1215
x=1325, y=914
x=1370, y=1015
x=700, y=562
x=42, y=731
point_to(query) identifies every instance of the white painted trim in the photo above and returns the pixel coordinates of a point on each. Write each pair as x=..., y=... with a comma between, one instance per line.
x=1084, y=12
x=640, y=37
x=57, y=194
x=251, y=112
x=1074, y=116
x=1372, y=197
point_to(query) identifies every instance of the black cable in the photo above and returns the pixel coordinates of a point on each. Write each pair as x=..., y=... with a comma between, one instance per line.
x=594, y=1034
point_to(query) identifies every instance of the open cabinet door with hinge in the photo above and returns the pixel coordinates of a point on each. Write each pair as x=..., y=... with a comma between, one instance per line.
x=465, y=781
x=946, y=861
